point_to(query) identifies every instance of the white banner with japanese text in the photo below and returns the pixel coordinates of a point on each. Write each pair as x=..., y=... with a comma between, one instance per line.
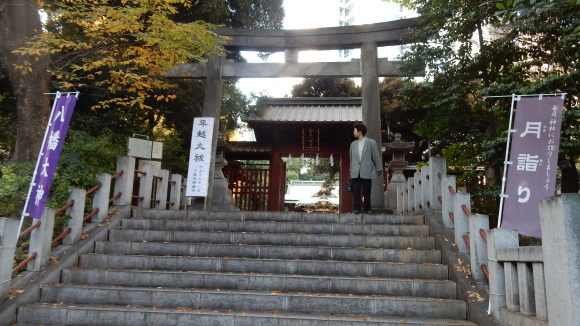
x=533, y=161
x=200, y=157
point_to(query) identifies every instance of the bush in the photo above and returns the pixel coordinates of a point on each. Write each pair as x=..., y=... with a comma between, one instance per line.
x=14, y=184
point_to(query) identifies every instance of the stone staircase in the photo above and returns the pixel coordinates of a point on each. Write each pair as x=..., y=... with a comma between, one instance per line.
x=255, y=268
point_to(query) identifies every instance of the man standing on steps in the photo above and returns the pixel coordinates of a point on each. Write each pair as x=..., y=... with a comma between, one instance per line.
x=365, y=165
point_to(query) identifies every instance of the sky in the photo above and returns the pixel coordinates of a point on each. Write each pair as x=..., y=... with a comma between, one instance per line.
x=300, y=14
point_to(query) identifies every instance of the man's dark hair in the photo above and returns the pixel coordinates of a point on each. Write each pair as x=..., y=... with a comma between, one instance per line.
x=361, y=127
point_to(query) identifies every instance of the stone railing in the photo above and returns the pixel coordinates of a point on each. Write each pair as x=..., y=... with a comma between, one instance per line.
x=160, y=191
x=527, y=285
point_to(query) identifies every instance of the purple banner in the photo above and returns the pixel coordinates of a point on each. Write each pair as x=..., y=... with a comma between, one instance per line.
x=534, y=157
x=50, y=152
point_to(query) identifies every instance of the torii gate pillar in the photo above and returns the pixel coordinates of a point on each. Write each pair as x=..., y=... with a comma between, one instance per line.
x=212, y=105
x=371, y=110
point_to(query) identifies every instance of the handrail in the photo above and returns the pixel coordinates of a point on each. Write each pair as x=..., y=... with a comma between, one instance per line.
x=62, y=209
x=115, y=197
x=141, y=172
x=117, y=174
x=57, y=239
x=483, y=234
x=452, y=216
x=32, y=227
x=95, y=211
x=467, y=242
x=94, y=188
x=23, y=263
x=466, y=210
x=452, y=191
x=485, y=271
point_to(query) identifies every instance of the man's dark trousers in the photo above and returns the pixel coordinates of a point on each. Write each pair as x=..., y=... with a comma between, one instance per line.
x=366, y=184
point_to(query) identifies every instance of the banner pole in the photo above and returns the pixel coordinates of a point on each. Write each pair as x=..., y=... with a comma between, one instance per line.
x=58, y=95
x=506, y=162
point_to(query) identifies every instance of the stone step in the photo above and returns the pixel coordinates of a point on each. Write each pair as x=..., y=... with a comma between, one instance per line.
x=263, y=282
x=288, y=239
x=276, y=227
x=280, y=217
x=268, y=252
x=110, y=315
x=275, y=266
x=302, y=302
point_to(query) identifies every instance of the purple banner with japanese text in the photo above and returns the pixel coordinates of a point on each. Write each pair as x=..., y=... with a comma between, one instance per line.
x=534, y=158
x=50, y=153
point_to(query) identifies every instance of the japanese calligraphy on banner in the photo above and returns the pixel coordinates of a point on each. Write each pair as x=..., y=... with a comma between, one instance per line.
x=55, y=134
x=534, y=157
x=200, y=157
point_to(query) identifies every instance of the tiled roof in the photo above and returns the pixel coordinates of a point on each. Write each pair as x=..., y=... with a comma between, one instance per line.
x=311, y=113
x=248, y=146
x=311, y=109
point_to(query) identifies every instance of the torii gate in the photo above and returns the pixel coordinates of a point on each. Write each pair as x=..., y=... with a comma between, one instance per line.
x=369, y=68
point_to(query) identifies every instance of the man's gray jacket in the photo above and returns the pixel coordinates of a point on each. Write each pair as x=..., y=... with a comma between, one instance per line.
x=369, y=164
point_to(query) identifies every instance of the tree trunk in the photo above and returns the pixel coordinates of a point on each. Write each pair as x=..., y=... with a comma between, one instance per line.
x=20, y=21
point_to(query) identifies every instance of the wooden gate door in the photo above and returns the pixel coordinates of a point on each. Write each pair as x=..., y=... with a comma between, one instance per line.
x=249, y=185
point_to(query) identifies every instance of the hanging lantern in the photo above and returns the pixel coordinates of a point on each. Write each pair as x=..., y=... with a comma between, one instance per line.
x=302, y=159
x=331, y=160
x=317, y=159
x=289, y=159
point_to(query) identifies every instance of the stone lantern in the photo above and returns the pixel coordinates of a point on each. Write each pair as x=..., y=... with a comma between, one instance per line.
x=398, y=150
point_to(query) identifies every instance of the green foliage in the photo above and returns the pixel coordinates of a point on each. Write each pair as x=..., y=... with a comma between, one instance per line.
x=124, y=48
x=485, y=48
x=82, y=158
x=326, y=87
x=14, y=184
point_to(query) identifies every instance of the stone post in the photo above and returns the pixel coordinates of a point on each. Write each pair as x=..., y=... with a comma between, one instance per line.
x=371, y=107
x=461, y=220
x=146, y=186
x=399, y=209
x=77, y=213
x=8, y=239
x=436, y=167
x=124, y=182
x=398, y=178
x=162, y=188
x=411, y=195
x=40, y=241
x=223, y=198
x=560, y=223
x=426, y=199
x=101, y=198
x=498, y=239
x=418, y=192
x=175, y=195
x=478, y=254
x=447, y=201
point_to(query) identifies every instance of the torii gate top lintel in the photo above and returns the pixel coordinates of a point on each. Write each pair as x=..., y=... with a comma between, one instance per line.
x=328, y=38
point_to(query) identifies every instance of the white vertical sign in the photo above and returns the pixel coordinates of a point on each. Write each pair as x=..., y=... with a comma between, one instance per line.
x=200, y=157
